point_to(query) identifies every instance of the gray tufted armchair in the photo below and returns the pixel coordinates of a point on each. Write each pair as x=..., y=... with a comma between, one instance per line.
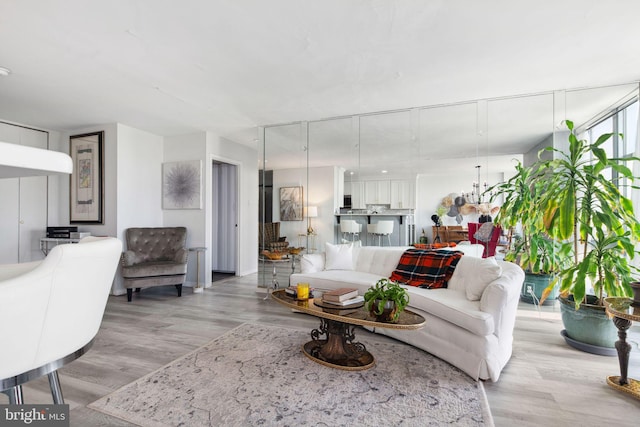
x=154, y=257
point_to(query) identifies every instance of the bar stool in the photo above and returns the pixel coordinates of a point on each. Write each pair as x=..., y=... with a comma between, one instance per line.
x=381, y=228
x=350, y=227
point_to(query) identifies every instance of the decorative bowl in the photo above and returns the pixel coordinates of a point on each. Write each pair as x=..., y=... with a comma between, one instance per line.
x=296, y=251
x=273, y=255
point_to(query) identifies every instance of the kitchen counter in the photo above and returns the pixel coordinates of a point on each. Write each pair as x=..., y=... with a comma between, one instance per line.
x=369, y=215
x=403, y=232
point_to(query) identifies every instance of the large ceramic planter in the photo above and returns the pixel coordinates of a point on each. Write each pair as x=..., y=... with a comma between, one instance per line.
x=588, y=329
x=538, y=283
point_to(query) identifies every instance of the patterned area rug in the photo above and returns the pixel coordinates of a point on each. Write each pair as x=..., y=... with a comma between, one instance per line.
x=258, y=375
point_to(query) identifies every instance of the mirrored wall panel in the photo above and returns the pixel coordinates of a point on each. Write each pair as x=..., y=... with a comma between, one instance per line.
x=334, y=180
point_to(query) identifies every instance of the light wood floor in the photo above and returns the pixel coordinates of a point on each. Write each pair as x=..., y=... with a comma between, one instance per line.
x=546, y=383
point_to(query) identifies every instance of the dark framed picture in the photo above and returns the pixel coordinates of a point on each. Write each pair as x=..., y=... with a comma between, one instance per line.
x=86, y=184
x=291, y=204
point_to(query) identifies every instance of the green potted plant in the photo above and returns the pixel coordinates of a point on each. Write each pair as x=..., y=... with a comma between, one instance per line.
x=386, y=300
x=586, y=211
x=540, y=256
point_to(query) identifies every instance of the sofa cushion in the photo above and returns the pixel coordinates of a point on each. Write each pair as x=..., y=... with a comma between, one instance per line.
x=334, y=279
x=454, y=307
x=310, y=263
x=426, y=268
x=378, y=260
x=156, y=243
x=154, y=268
x=472, y=275
x=338, y=257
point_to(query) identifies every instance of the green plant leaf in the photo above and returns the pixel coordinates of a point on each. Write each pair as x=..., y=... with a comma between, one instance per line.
x=600, y=154
x=570, y=202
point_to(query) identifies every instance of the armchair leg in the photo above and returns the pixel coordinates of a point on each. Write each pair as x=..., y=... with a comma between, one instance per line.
x=15, y=395
x=129, y=294
x=56, y=391
x=179, y=288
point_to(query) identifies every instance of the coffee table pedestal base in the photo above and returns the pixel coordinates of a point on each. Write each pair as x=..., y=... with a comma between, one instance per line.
x=337, y=348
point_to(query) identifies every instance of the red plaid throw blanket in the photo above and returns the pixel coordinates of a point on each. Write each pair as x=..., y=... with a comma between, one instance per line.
x=434, y=245
x=426, y=268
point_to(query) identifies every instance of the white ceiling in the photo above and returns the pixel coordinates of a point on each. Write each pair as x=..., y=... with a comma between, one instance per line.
x=227, y=66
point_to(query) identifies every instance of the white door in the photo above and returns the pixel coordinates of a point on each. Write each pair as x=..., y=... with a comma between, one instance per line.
x=9, y=217
x=225, y=217
x=33, y=217
x=23, y=211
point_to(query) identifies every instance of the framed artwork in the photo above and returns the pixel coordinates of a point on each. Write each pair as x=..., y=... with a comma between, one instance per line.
x=291, y=204
x=86, y=184
x=182, y=185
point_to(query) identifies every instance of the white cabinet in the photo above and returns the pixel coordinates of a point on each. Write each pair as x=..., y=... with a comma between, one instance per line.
x=399, y=194
x=357, y=195
x=23, y=211
x=338, y=195
x=384, y=192
x=347, y=188
x=377, y=192
x=403, y=195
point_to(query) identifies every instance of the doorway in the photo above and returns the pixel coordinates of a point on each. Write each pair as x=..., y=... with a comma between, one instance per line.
x=224, y=220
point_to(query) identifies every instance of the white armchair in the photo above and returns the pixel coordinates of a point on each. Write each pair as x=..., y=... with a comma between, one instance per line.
x=51, y=310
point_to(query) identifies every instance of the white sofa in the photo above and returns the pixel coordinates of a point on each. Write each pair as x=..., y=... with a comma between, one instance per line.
x=469, y=324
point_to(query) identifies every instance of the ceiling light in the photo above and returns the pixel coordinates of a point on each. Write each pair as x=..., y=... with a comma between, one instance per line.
x=351, y=173
x=384, y=171
x=4, y=71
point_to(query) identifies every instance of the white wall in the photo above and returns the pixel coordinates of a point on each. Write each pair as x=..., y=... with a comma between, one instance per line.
x=208, y=147
x=531, y=156
x=432, y=189
x=186, y=148
x=139, y=158
x=138, y=179
x=320, y=193
x=56, y=184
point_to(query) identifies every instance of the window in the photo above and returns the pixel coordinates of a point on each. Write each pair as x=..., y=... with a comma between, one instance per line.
x=623, y=121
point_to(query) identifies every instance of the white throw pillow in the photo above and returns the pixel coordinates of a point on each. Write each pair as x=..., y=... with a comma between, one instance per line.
x=311, y=263
x=474, y=275
x=338, y=257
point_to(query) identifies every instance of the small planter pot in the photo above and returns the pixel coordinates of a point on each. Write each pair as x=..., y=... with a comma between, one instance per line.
x=387, y=313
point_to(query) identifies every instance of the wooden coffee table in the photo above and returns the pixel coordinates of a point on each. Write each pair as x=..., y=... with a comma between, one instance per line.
x=333, y=343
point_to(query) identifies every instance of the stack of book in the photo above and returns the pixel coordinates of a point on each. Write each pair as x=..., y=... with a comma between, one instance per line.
x=342, y=297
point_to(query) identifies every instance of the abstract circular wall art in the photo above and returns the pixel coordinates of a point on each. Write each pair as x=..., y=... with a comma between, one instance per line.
x=181, y=185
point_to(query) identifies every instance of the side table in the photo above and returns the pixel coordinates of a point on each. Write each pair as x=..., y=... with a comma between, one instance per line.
x=198, y=250
x=623, y=312
x=274, y=274
x=46, y=241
